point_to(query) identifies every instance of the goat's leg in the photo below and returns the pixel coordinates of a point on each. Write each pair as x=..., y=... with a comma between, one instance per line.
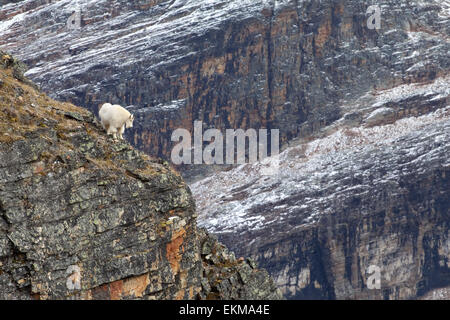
x=113, y=131
x=121, y=131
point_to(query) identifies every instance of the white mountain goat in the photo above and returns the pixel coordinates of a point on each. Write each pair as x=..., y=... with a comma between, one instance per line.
x=114, y=119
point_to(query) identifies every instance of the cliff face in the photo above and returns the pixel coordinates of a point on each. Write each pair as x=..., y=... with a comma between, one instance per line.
x=233, y=64
x=367, y=192
x=365, y=182
x=82, y=217
x=2, y=2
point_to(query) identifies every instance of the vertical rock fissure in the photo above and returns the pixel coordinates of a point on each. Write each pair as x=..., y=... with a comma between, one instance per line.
x=269, y=66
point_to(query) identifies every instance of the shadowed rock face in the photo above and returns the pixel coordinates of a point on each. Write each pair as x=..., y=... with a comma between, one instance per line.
x=83, y=217
x=305, y=67
x=339, y=204
x=232, y=64
x=2, y=2
x=373, y=189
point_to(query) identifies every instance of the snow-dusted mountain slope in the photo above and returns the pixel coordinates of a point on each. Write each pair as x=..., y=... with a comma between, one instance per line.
x=364, y=114
x=369, y=192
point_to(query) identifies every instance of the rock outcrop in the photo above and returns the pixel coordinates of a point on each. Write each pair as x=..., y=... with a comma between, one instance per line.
x=233, y=64
x=82, y=217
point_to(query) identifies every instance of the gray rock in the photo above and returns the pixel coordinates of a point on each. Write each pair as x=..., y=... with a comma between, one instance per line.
x=84, y=217
x=288, y=65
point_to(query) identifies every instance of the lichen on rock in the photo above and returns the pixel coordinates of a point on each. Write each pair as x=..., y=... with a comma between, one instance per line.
x=82, y=217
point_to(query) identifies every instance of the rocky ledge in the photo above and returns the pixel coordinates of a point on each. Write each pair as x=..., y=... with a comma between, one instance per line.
x=276, y=64
x=82, y=217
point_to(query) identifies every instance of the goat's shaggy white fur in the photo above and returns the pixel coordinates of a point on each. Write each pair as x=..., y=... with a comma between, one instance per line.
x=114, y=119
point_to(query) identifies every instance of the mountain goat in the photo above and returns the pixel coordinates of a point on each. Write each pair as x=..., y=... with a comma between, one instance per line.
x=114, y=119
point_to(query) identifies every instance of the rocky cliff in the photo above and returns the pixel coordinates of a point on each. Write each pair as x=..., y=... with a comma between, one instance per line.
x=83, y=217
x=364, y=112
x=233, y=64
x=359, y=197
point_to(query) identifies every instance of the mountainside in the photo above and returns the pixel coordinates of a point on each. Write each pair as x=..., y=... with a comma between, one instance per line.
x=364, y=117
x=361, y=196
x=233, y=64
x=82, y=217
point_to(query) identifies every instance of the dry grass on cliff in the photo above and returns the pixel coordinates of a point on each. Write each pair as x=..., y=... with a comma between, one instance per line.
x=24, y=109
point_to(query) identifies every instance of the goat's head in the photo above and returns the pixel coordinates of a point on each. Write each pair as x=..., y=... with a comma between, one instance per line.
x=129, y=122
